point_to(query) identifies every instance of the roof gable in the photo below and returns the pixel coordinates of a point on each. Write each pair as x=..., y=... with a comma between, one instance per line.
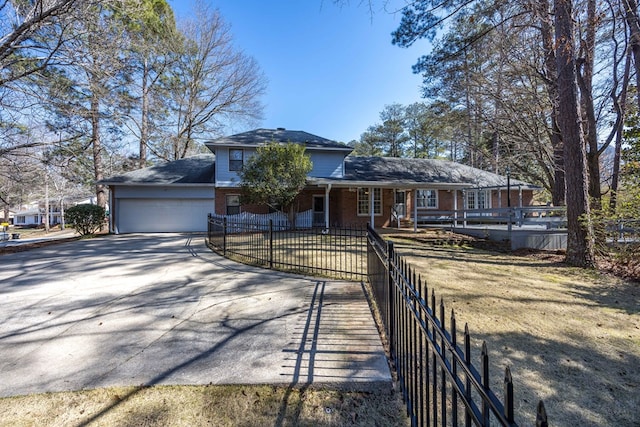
x=263, y=136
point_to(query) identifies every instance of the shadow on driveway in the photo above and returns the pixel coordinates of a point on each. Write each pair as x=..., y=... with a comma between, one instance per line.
x=163, y=309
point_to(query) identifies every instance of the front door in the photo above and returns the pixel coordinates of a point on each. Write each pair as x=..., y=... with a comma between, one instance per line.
x=401, y=203
x=318, y=211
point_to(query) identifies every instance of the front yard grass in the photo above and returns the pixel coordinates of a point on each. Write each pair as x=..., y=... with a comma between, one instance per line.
x=571, y=337
x=189, y=406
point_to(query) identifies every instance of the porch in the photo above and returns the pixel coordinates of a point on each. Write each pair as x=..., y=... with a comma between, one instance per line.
x=532, y=227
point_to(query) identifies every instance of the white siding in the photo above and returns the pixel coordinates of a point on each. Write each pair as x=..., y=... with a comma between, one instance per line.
x=164, y=192
x=225, y=177
x=327, y=164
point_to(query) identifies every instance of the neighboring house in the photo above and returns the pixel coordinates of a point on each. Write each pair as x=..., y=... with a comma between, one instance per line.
x=341, y=189
x=35, y=216
x=7, y=215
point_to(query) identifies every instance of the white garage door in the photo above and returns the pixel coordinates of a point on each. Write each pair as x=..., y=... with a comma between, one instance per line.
x=163, y=215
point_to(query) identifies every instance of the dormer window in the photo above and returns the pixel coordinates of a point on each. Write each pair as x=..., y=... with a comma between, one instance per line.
x=236, y=159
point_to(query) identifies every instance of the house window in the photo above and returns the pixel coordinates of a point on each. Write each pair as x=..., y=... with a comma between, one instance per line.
x=478, y=199
x=482, y=200
x=236, y=159
x=233, y=204
x=427, y=199
x=471, y=199
x=363, y=201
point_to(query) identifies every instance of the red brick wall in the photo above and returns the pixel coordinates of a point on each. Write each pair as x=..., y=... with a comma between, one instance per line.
x=344, y=208
x=221, y=202
x=527, y=198
x=343, y=204
x=304, y=201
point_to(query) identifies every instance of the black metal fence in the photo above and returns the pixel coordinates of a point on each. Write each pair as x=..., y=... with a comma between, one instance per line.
x=332, y=252
x=439, y=383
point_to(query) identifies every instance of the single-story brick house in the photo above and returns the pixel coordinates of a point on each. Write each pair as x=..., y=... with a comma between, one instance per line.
x=341, y=189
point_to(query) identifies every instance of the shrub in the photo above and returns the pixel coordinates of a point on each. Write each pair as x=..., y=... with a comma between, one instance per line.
x=86, y=219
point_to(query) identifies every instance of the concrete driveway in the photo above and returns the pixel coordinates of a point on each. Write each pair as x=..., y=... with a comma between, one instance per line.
x=164, y=309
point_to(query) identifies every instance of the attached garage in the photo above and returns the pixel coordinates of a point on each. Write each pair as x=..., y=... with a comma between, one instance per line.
x=157, y=215
x=165, y=198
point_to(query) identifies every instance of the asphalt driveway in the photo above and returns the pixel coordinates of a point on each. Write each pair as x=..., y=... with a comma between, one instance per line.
x=164, y=309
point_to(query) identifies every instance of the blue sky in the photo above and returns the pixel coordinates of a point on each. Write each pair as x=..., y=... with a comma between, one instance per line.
x=330, y=69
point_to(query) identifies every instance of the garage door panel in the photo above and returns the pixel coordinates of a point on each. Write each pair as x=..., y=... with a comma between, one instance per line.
x=163, y=215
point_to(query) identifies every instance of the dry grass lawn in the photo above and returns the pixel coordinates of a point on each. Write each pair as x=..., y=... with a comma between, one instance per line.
x=185, y=406
x=570, y=336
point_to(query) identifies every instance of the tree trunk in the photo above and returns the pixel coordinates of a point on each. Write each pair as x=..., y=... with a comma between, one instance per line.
x=101, y=190
x=558, y=193
x=551, y=70
x=580, y=247
x=144, y=125
x=631, y=15
x=622, y=109
x=585, y=82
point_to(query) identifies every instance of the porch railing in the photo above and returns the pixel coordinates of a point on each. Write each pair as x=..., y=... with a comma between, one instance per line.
x=540, y=216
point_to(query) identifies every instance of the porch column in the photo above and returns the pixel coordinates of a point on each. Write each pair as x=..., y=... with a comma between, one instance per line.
x=371, y=210
x=111, y=228
x=327, y=190
x=519, y=195
x=414, y=195
x=455, y=207
x=499, y=197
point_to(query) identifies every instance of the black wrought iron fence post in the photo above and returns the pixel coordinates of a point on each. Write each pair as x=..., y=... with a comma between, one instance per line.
x=391, y=293
x=224, y=236
x=270, y=243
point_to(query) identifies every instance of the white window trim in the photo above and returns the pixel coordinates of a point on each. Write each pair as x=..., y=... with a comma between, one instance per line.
x=374, y=204
x=426, y=199
x=226, y=203
x=476, y=199
x=231, y=160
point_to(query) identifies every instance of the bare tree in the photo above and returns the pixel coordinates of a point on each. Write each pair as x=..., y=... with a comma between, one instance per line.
x=211, y=84
x=630, y=8
x=31, y=34
x=85, y=93
x=154, y=40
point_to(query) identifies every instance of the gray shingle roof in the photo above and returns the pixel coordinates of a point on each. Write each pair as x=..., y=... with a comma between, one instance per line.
x=191, y=170
x=263, y=136
x=408, y=171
